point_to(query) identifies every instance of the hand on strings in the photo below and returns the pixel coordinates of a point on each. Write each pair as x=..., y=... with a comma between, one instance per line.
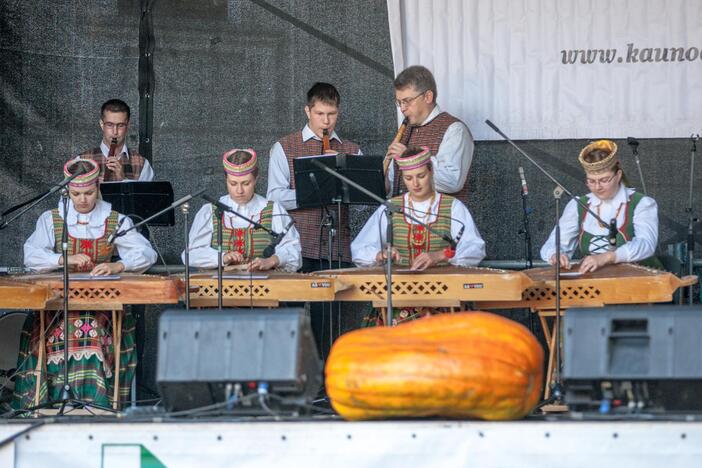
x=263, y=264
x=232, y=258
x=381, y=256
x=565, y=261
x=104, y=269
x=594, y=262
x=427, y=259
x=81, y=261
x=115, y=166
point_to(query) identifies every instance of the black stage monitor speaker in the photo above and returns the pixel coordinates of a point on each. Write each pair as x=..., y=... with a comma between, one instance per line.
x=237, y=357
x=633, y=358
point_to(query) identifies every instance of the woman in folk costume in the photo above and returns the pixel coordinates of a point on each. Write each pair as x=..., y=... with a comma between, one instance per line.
x=413, y=245
x=610, y=198
x=90, y=222
x=243, y=244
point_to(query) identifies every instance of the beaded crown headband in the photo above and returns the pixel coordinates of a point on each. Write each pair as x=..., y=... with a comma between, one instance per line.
x=239, y=169
x=85, y=179
x=602, y=165
x=413, y=162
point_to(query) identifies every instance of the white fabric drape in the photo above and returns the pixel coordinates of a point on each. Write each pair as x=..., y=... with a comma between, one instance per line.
x=503, y=60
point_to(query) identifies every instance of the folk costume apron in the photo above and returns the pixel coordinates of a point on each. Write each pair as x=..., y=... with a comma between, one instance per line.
x=90, y=347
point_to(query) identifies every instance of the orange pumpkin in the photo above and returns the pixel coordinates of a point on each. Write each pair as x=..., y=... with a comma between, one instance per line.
x=463, y=365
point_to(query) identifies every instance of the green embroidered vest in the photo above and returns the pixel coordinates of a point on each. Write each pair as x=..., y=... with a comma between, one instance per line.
x=590, y=243
x=247, y=241
x=99, y=250
x=410, y=240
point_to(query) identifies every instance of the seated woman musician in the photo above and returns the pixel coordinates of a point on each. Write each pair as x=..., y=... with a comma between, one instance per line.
x=610, y=198
x=414, y=246
x=243, y=245
x=90, y=223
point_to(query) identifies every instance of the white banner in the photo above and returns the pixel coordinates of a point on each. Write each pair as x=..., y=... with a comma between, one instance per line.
x=559, y=69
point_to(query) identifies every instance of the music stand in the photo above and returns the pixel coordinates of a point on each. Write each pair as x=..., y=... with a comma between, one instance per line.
x=141, y=200
x=364, y=170
x=307, y=194
x=315, y=188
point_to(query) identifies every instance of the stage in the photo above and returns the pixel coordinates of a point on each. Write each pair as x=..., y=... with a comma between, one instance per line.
x=549, y=442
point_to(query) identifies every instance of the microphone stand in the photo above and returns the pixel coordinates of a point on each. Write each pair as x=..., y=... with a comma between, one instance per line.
x=557, y=385
x=390, y=209
x=635, y=150
x=528, y=258
x=331, y=233
x=691, y=220
x=545, y=172
x=66, y=391
x=219, y=215
x=388, y=267
x=556, y=392
x=185, y=209
x=183, y=201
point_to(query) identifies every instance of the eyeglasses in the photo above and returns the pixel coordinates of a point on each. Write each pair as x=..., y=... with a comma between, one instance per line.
x=601, y=182
x=407, y=101
x=112, y=125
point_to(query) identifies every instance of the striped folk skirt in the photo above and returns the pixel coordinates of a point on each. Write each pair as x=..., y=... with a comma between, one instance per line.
x=90, y=358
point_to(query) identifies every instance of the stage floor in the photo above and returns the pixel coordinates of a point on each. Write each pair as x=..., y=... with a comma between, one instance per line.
x=93, y=442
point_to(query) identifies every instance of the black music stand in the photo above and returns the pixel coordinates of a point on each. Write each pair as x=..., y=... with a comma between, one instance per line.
x=308, y=195
x=364, y=170
x=315, y=188
x=141, y=200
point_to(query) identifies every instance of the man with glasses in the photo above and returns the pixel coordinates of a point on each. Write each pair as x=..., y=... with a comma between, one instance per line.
x=609, y=198
x=117, y=162
x=448, y=139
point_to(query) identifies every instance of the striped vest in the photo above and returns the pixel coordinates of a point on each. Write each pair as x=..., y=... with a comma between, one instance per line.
x=99, y=250
x=429, y=135
x=131, y=167
x=410, y=240
x=308, y=220
x=247, y=241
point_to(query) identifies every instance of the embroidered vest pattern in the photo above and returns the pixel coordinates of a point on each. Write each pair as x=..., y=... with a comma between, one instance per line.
x=247, y=241
x=410, y=240
x=99, y=250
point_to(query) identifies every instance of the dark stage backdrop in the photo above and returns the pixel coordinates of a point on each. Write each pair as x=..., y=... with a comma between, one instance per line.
x=234, y=74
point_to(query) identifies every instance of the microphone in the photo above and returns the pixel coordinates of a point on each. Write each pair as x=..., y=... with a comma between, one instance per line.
x=218, y=204
x=612, y=236
x=632, y=141
x=460, y=234
x=270, y=248
x=115, y=234
x=186, y=198
x=525, y=189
